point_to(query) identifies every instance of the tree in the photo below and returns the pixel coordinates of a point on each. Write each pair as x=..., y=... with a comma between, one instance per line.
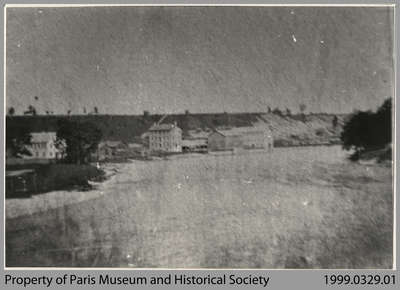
x=357, y=134
x=227, y=119
x=78, y=139
x=31, y=111
x=277, y=111
x=335, y=121
x=384, y=119
x=11, y=111
x=96, y=110
x=302, y=108
x=367, y=130
x=17, y=141
x=61, y=146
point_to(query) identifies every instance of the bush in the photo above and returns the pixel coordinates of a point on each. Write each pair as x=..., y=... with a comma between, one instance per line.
x=66, y=176
x=79, y=139
x=62, y=176
x=320, y=132
x=366, y=131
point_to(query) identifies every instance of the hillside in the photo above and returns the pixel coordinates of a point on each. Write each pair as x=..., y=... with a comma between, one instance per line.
x=291, y=130
x=310, y=130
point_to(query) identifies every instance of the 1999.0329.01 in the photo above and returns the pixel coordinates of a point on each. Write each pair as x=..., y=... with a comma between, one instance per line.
x=356, y=279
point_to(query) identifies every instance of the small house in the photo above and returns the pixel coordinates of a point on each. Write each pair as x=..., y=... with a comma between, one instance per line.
x=43, y=146
x=196, y=141
x=194, y=145
x=137, y=149
x=222, y=140
x=109, y=150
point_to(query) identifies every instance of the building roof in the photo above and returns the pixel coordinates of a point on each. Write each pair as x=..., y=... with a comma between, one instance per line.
x=111, y=143
x=18, y=172
x=135, y=145
x=198, y=135
x=194, y=142
x=238, y=131
x=43, y=136
x=163, y=127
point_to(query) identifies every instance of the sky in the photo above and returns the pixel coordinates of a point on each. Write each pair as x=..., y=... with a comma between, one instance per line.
x=125, y=60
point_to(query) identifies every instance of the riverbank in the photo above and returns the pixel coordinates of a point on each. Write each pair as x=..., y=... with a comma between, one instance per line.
x=43, y=202
x=57, y=176
x=377, y=155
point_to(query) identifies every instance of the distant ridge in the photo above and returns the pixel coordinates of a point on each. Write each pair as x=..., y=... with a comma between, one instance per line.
x=288, y=130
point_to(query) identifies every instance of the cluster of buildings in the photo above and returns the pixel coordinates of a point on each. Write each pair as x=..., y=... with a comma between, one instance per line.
x=168, y=138
x=161, y=138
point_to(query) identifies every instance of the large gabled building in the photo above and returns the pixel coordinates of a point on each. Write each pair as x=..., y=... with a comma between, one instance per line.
x=240, y=137
x=165, y=138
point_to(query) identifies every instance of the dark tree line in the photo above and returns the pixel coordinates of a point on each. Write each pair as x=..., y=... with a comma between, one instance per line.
x=31, y=111
x=11, y=111
x=77, y=140
x=17, y=139
x=367, y=130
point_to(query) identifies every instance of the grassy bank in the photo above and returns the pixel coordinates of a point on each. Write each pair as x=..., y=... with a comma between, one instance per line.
x=378, y=155
x=62, y=176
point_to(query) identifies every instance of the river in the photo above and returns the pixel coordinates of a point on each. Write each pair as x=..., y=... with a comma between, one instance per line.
x=300, y=207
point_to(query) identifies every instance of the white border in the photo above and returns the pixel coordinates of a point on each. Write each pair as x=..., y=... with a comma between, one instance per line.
x=394, y=142
x=207, y=5
x=200, y=5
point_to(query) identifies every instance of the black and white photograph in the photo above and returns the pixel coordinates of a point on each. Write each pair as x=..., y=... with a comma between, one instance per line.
x=199, y=137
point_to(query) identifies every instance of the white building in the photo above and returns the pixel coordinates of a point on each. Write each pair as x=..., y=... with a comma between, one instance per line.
x=165, y=138
x=259, y=137
x=43, y=146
